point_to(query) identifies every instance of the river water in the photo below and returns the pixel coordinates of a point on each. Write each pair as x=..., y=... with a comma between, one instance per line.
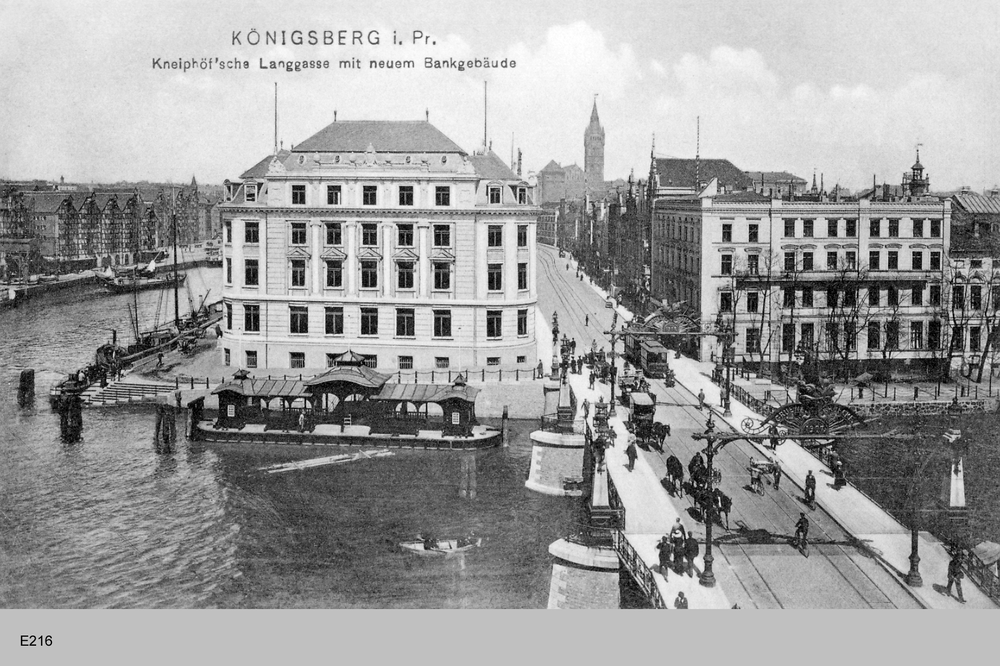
x=108, y=523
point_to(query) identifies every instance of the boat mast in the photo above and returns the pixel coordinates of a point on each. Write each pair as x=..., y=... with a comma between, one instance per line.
x=177, y=298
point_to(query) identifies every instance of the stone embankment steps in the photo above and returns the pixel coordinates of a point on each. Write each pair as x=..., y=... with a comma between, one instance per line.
x=118, y=393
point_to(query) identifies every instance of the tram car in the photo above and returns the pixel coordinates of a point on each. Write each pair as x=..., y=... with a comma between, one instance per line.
x=651, y=356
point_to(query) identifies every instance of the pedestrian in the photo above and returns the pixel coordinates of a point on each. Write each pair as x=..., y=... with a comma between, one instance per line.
x=302, y=421
x=755, y=482
x=592, y=378
x=725, y=505
x=572, y=346
x=810, y=487
x=690, y=552
x=681, y=602
x=159, y=360
x=773, y=431
x=586, y=320
x=776, y=472
x=586, y=408
x=701, y=398
x=541, y=370
x=802, y=532
x=678, y=535
x=955, y=575
x=839, y=480
x=666, y=552
x=631, y=452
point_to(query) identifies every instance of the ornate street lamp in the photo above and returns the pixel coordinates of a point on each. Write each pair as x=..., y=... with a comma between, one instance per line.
x=707, y=577
x=724, y=331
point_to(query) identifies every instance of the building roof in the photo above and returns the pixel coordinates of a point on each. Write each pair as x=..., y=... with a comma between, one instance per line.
x=491, y=167
x=594, y=119
x=742, y=197
x=264, y=388
x=353, y=374
x=551, y=167
x=680, y=172
x=259, y=170
x=976, y=203
x=774, y=177
x=385, y=136
x=47, y=202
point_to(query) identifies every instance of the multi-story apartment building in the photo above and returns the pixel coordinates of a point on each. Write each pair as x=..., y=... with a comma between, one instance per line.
x=857, y=284
x=383, y=238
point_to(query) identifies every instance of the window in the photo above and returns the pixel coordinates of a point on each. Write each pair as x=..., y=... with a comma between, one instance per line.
x=873, y=296
x=369, y=195
x=369, y=274
x=753, y=233
x=807, y=228
x=831, y=261
x=334, y=234
x=442, y=195
x=494, y=236
x=934, y=335
x=975, y=263
x=832, y=336
x=298, y=272
x=976, y=297
x=726, y=302
x=298, y=233
x=296, y=360
x=753, y=264
x=753, y=340
x=916, y=335
x=892, y=297
x=935, y=261
x=753, y=301
x=831, y=298
x=727, y=233
x=807, y=297
x=873, y=335
x=789, y=298
x=789, y=228
x=404, y=275
x=873, y=260
x=893, y=228
x=251, y=359
x=494, y=194
x=494, y=277
x=404, y=235
x=995, y=297
x=522, y=195
x=789, y=261
x=918, y=228
x=333, y=196
x=958, y=337
x=808, y=336
x=298, y=195
x=522, y=359
x=850, y=298
x=369, y=235
x=918, y=260
x=893, y=260
x=851, y=228
x=494, y=323
x=229, y=316
x=492, y=360
x=405, y=323
x=874, y=228
x=974, y=338
x=225, y=357
x=807, y=261
x=522, y=276
x=442, y=324
x=892, y=334
x=251, y=318
x=369, y=321
x=251, y=232
x=405, y=363
x=727, y=264
x=442, y=276
x=935, y=228
x=371, y=361
x=831, y=228
x=334, y=318
x=788, y=337
x=406, y=195
x=228, y=227
x=851, y=259
x=298, y=319
x=250, y=274
x=334, y=274
x=935, y=295
x=229, y=270
x=522, y=235
x=522, y=322
x=958, y=298
x=442, y=235
x=917, y=295
x=441, y=362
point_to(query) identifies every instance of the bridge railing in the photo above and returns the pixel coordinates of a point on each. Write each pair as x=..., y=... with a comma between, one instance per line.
x=983, y=575
x=641, y=573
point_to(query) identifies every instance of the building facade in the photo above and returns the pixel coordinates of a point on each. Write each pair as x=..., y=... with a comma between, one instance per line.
x=850, y=285
x=385, y=239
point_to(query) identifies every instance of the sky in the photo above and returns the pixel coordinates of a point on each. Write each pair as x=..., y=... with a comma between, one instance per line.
x=848, y=89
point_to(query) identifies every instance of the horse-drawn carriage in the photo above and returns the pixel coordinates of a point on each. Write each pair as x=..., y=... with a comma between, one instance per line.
x=648, y=432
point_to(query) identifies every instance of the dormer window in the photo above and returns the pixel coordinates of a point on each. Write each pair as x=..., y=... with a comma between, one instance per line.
x=494, y=191
x=522, y=195
x=302, y=159
x=444, y=159
x=251, y=192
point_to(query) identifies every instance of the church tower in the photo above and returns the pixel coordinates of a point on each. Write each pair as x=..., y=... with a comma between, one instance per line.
x=593, y=152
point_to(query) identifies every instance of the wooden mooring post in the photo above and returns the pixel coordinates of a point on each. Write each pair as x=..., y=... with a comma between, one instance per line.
x=26, y=388
x=70, y=417
x=165, y=432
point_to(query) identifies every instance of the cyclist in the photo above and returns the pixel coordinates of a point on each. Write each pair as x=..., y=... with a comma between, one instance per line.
x=810, y=487
x=755, y=481
x=802, y=532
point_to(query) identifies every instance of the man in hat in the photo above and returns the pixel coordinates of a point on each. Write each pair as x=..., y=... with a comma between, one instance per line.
x=955, y=575
x=810, y=487
x=690, y=553
x=776, y=472
x=666, y=553
x=802, y=531
x=631, y=453
x=701, y=398
x=681, y=602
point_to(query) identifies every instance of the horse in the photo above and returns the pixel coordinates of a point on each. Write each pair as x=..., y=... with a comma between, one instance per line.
x=675, y=473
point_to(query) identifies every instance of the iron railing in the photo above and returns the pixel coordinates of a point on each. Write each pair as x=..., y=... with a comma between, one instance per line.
x=641, y=573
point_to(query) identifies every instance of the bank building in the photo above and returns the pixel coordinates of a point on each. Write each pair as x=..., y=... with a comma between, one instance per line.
x=385, y=239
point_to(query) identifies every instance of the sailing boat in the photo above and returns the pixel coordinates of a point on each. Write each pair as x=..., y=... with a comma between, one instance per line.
x=140, y=279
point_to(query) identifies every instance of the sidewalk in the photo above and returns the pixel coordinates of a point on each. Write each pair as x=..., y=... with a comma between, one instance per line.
x=859, y=515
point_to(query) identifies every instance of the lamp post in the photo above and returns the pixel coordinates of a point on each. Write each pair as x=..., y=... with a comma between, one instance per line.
x=707, y=577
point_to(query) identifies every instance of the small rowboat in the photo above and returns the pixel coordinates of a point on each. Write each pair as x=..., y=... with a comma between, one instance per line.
x=444, y=546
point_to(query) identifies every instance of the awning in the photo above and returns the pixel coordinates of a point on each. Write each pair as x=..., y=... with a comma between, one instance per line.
x=350, y=374
x=265, y=388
